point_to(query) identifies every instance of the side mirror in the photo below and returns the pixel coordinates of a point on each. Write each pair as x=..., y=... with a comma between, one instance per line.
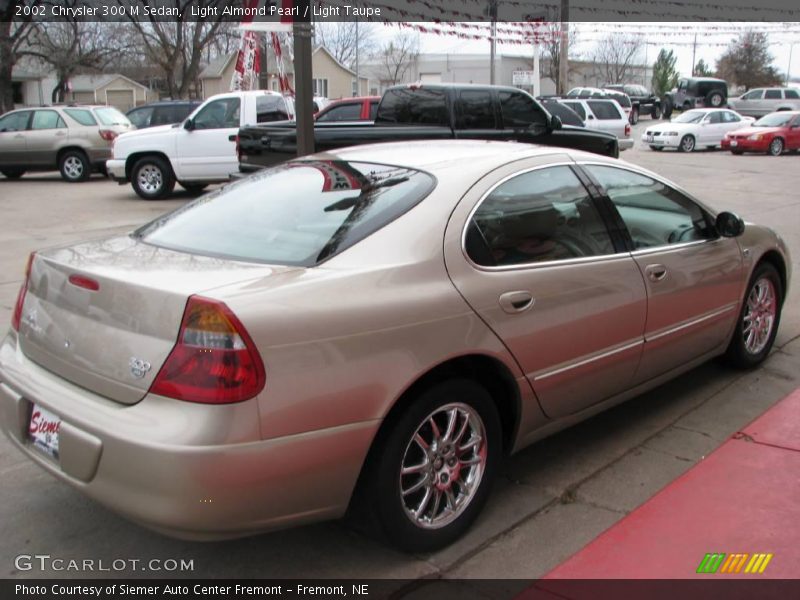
x=188, y=124
x=555, y=122
x=729, y=224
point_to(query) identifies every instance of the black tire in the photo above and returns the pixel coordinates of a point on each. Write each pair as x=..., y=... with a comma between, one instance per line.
x=152, y=178
x=397, y=447
x=776, y=147
x=634, y=115
x=687, y=144
x=12, y=173
x=668, y=108
x=715, y=99
x=737, y=152
x=657, y=148
x=655, y=112
x=74, y=166
x=195, y=189
x=738, y=353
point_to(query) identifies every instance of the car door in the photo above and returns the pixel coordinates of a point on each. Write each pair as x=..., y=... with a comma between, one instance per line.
x=206, y=151
x=48, y=133
x=531, y=253
x=13, y=138
x=476, y=117
x=793, y=134
x=693, y=276
x=712, y=129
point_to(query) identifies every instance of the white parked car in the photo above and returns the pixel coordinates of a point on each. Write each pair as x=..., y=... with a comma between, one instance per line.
x=604, y=115
x=199, y=151
x=694, y=128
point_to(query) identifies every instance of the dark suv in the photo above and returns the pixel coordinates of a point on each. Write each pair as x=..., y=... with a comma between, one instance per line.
x=165, y=112
x=644, y=101
x=694, y=92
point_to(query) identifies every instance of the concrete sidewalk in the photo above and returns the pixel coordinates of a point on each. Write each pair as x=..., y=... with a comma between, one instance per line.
x=736, y=514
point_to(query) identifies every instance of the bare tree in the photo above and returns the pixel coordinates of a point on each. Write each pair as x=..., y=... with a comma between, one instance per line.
x=615, y=55
x=177, y=46
x=342, y=39
x=14, y=32
x=397, y=56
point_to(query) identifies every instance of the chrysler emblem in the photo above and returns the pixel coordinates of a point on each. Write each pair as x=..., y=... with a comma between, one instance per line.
x=139, y=367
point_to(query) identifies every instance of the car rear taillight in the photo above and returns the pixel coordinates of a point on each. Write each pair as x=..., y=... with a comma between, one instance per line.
x=214, y=360
x=108, y=135
x=627, y=130
x=17, y=314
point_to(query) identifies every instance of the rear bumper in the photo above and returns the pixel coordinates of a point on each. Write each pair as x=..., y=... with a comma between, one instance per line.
x=625, y=144
x=187, y=470
x=116, y=170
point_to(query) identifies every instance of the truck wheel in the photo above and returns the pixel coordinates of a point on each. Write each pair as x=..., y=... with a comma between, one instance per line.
x=634, y=115
x=668, y=108
x=715, y=99
x=657, y=148
x=13, y=173
x=432, y=470
x=152, y=178
x=655, y=112
x=74, y=166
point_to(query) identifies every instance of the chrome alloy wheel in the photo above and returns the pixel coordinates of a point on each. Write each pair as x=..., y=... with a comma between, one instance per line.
x=759, y=316
x=443, y=465
x=73, y=167
x=150, y=179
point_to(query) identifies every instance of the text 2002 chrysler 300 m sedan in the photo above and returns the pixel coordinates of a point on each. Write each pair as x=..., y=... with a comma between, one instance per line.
x=374, y=328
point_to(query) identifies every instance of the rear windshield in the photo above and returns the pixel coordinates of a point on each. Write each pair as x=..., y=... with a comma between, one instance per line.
x=271, y=108
x=111, y=116
x=300, y=213
x=414, y=107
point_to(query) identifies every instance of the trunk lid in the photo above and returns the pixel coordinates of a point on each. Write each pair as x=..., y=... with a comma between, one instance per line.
x=113, y=340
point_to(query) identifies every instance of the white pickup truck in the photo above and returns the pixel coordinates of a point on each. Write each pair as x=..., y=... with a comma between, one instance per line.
x=197, y=152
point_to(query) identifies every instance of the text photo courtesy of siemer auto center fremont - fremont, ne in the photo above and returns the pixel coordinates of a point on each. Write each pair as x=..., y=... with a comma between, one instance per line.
x=399, y=299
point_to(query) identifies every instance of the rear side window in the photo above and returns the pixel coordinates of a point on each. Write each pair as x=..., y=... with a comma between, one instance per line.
x=520, y=110
x=474, y=110
x=82, y=116
x=578, y=108
x=300, y=213
x=605, y=111
x=111, y=116
x=623, y=100
x=792, y=94
x=772, y=95
x=414, y=107
x=271, y=108
x=543, y=215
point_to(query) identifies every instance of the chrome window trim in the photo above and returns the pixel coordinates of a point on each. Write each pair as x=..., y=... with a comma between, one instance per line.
x=540, y=264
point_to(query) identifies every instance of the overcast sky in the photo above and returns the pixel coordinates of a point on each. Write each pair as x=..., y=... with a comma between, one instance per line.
x=711, y=41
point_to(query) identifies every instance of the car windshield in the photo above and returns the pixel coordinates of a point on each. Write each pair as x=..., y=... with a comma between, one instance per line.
x=774, y=120
x=691, y=116
x=300, y=213
x=109, y=115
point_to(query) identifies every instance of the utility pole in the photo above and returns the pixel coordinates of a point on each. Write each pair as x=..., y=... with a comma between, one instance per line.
x=789, y=66
x=563, y=51
x=493, y=49
x=304, y=93
x=358, y=77
x=694, y=51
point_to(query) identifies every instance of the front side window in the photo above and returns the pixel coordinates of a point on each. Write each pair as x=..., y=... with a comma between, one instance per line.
x=539, y=216
x=605, y=111
x=82, y=116
x=654, y=213
x=300, y=213
x=753, y=95
x=714, y=118
x=520, y=110
x=219, y=114
x=47, y=119
x=474, y=110
x=17, y=121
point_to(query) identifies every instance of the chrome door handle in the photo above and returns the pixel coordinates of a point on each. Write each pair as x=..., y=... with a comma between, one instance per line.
x=516, y=302
x=656, y=272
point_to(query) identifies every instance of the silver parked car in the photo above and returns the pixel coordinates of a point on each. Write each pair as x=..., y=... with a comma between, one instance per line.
x=73, y=139
x=603, y=115
x=763, y=101
x=373, y=328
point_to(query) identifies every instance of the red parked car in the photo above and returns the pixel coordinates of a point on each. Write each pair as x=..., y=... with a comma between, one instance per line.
x=773, y=134
x=361, y=108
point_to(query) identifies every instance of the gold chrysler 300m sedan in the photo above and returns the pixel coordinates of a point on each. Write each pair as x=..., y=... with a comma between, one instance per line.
x=372, y=328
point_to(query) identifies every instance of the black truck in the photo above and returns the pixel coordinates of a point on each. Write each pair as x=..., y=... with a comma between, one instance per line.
x=428, y=112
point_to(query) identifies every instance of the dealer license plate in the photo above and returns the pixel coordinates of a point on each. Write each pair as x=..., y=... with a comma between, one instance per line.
x=649, y=138
x=734, y=143
x=43, y=430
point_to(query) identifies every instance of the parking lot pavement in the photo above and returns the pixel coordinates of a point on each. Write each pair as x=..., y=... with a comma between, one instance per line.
x=553, y=497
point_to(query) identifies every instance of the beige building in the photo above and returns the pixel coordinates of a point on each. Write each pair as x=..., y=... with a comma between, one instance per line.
x=331, y=79
x=114, y=89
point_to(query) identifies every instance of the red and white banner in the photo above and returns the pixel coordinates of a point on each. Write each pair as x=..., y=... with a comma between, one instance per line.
x=248, y=61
